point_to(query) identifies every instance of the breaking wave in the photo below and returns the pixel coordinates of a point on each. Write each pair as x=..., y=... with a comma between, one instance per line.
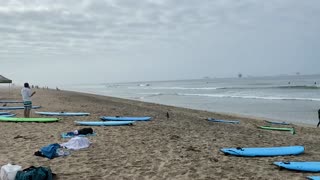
x=251, y=97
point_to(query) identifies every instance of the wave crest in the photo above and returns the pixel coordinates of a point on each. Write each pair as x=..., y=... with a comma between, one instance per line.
x=250, y=97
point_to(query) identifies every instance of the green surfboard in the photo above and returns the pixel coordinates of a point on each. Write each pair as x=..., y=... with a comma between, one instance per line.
x=278, y=128
x=9, y=119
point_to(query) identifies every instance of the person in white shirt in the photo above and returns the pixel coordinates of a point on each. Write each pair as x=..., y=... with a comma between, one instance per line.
x=26, y=97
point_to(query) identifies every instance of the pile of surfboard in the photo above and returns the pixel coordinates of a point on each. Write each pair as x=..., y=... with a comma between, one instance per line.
x=267, y=127
x=104, y=120
x=306, y=166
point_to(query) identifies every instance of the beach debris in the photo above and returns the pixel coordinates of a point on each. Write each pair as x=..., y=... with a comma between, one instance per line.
x=23, y=137
x=213, y=159
x=191, y=148
x=174, y=137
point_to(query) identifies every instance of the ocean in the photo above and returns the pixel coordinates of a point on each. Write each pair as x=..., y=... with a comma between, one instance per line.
x=294, y=99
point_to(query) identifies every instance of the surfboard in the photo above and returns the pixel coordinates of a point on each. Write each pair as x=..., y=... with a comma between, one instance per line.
x=10, y=101
x=7, y=115
x=12, y=119
x=223, y=121
x=314, y=177
x=16, y=107
x=4, y=113
x=278, y=128
x=264, y=151
x=104, y=123
x=120, y=118
x=308, y=166
x=63, y=113
x=280, y=123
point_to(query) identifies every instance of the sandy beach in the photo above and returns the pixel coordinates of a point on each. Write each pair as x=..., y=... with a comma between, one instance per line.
x=183, y=146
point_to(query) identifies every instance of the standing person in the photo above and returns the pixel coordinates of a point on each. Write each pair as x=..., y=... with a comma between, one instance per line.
x=318, y=117
x=26, y=97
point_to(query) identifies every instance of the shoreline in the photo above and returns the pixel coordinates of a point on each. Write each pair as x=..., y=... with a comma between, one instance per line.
x=183, y=146
x=230, y=115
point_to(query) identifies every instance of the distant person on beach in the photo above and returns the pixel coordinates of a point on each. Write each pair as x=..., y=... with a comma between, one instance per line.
x=318, y=117
x=26, y=97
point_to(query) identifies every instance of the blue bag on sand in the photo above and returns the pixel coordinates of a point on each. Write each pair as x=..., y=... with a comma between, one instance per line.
x=50, y=151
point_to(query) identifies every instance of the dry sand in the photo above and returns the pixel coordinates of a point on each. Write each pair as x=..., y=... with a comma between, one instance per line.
x=185, y=146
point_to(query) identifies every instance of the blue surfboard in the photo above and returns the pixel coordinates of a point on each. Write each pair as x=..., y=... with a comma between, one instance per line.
x=17, y=107
x=314, y=177
x=264, y=151
x=10, y=101
x=63, y=113
x=223, y=121
x=104, y=123
x=308, y=166
x=4, y=113
x=7, y=115
x=120, y=118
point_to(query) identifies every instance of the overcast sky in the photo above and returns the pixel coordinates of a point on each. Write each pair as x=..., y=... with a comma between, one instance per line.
x=53, y=42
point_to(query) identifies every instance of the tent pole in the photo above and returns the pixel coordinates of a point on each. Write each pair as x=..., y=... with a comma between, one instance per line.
x=10, y=90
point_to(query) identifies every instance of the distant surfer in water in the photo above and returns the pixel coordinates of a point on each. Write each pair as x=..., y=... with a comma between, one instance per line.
x=318, y=117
